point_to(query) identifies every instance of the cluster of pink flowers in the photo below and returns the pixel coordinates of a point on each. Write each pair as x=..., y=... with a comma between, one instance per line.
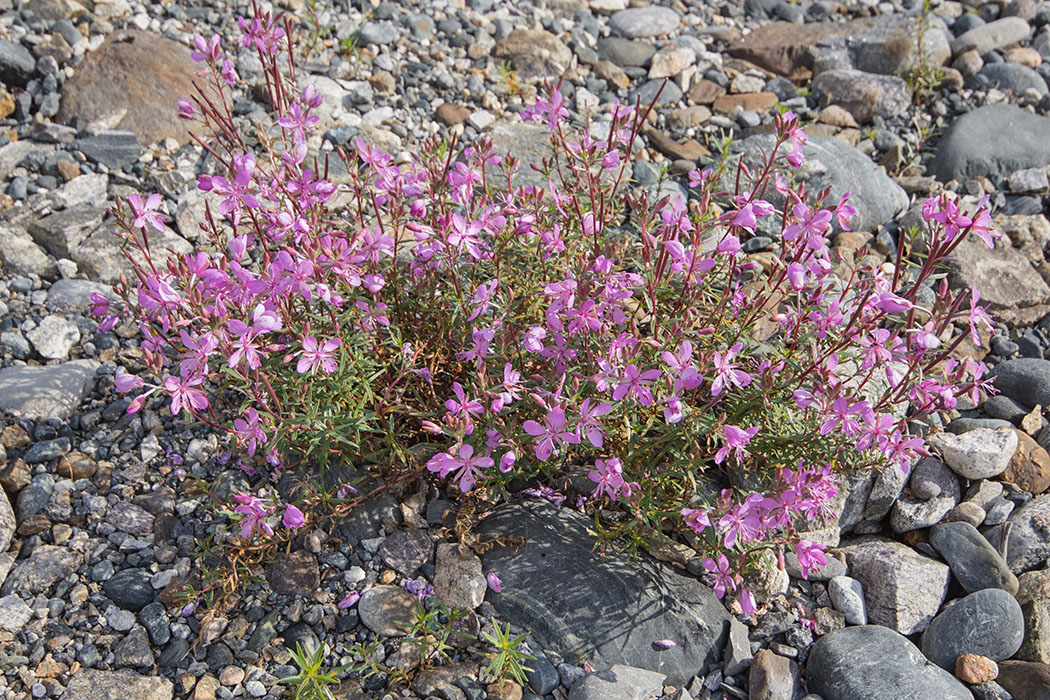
x=569, y=341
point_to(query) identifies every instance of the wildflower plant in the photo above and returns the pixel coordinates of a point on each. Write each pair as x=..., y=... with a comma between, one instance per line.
x=515, y=332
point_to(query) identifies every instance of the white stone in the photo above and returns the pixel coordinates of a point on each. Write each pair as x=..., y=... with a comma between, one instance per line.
x=847, y=595
x=54, y=337
x=977, y=454
x=14, y=613
x=669, y=62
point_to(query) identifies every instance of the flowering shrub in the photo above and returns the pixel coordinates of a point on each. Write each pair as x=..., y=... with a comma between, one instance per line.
x=510, y=333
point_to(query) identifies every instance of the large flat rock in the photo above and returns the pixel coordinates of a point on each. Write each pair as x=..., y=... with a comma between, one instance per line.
x=605, y=610
x=90, y=684
x=54, y=391
x=142, y=76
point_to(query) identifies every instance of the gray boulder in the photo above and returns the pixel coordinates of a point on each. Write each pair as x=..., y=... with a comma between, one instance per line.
x=994, y=141
x=973, y=561
x=876, y=663
x=608, y=610
x=988, y=623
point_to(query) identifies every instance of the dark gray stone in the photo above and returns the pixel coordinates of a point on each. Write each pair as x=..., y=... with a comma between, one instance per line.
x=16, y=63
x=1028, y=546
x=625, y=52
x=155, y=620
x=988, y=622
x=608, y=610
x=407, y=550
x=543, y=677
x=973, y=561
x=993, y=141
x=667, y=91
x=113, y=149
x=875, y=663
x=300, y=634
x=1013, y=77
x=1025, y=379
x=47, y=450
x=130, y=589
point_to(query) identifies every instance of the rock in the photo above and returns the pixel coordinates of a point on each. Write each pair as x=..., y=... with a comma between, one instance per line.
x=451, y=114
x=993, y=35
x=831, y=162
x=543, y=677
x=854, y=663
x=528, y=142
x=7, y=524
x=16, y=63
x=54, y=337
x=738, y=655
x=1025, y=680
x=300, y=635
x=690, y=150
x=902, y=589
x=975, y=669
x=1026, y=380
x=705, y=92
x=89, y=684
x=644, y=22
x=608, y=610
x=1029, y=468
x=21, y=255
x=45, y=566
x=387, y=610
x=130, y=589
x=144, y=75
x=661, y=92
x=934, y=491
x=76, y=466
x=294, y=574
x=847, y=595
x=1029, y=543
x=670, y=61
x=973, y=561
x=74, y=296
x=458, y=577
x=988, y=622
x=113, y=149
x=992, y=141
x=130, y=518
x=377, y=33
x=100, y=258
x=407, y=550
x=755, y=101
x=977, y=454
x=1029, y=180
x=155, y=621
x=625, y=52
x=885, y=491
x=772, y=677
x=61, y=232
x=534, y=53
x=864, y=95
x=970, y=513
x=884, y=45
x=14, y=614
x=619, y=682
x=133, y=650
x=1013, y=78
x=46, y=392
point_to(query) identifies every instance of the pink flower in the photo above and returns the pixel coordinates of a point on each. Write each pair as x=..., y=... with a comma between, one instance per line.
x=810, y=556
x=587, y=425
x=127, y=382
x=313, y=357
x=468, y=466
x=736, y=439
x=550, y=433
x=696, y=519
x=463, y=405
x=494, y=583
x=506, y=462
x=293, y=518
x=728, y=374
x=721, y=575
x=146, y=211
x=254, y=516
x=747, y=601
x=185, y=394
x=349, y=601
x=250, y=431
x=634, y=383
x=977, y=316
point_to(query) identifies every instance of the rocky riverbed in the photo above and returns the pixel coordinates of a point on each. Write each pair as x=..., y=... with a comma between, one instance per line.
x=938, y=586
